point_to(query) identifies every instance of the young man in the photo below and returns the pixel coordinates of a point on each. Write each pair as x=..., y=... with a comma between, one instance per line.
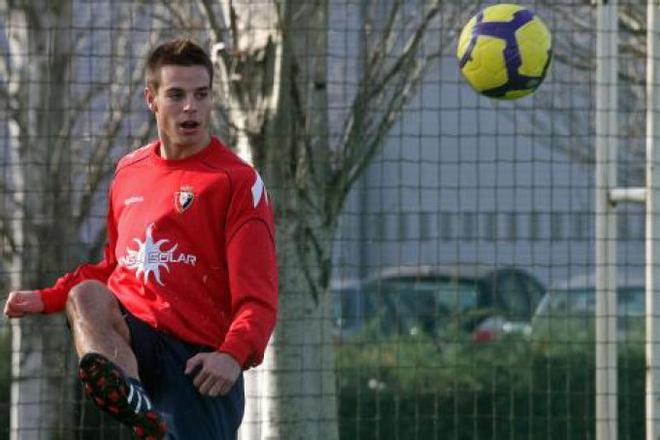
x=186, y=295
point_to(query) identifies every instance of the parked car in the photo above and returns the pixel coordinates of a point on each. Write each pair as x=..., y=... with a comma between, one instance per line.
x=568, y=309
x=482, y=300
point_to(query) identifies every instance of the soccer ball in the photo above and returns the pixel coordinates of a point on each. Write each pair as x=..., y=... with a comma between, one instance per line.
x=504, y=51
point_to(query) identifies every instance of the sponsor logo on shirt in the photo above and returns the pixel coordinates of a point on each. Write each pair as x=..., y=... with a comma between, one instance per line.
x=148, y=259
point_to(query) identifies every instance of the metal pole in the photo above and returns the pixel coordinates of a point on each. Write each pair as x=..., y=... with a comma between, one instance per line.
x=652, y=225
x=606, y=107
x=636, y=195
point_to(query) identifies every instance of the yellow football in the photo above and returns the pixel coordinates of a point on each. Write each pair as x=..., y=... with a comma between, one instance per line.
x=504, y=51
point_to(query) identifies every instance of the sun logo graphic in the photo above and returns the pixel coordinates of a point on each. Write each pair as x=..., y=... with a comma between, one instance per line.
x=148, y=259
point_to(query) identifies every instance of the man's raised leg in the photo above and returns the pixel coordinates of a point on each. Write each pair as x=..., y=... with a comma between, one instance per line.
x=98, y=326
x=108, y=368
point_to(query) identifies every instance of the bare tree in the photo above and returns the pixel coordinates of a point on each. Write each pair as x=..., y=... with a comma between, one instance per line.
x=273, y=84
x=563, y=111
x=58, y=159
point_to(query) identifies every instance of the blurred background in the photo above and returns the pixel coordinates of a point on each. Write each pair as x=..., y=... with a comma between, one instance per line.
x=437, y=248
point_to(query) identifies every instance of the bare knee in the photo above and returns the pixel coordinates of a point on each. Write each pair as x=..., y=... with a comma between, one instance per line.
x=91, y=299
x=96, y=321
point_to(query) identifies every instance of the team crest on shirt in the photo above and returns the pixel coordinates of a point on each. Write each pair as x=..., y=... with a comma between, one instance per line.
x=183, y=198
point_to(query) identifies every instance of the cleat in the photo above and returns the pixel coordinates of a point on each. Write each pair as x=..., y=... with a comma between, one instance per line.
x=105, y=384
x=152, y=415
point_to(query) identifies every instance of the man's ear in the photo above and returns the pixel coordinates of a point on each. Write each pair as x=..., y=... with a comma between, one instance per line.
x=150, y=99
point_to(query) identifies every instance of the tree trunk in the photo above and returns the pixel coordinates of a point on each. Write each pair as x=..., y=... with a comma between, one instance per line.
x=40, y=219
x=302, y=397
x=273, y=81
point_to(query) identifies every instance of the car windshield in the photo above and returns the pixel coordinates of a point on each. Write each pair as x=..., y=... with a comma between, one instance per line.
x=630, y=302
x=406, y=304
x=422, y=297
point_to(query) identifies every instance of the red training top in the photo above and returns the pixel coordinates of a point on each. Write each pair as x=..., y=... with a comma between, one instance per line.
x=190, y=250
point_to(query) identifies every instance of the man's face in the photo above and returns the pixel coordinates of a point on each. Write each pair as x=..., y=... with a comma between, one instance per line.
x=182, y=106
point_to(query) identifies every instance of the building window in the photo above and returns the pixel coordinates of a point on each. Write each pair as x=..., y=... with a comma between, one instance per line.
x=404, y=227
x=623, y=226
x=490, y=226
x=512, y=226
x=556, y=226
x=534, y=226
x=445, y=225
x=425, y=225
x=381, y=227
x=580, y=226
x=469, y=226
x=639, y=232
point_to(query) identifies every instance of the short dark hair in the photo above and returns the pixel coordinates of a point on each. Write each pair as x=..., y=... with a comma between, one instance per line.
x=178, y=52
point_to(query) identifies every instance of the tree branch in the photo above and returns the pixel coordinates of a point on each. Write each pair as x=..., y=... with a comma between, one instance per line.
x=4, y=95
x=99, y=168
x=386, y=42
x=410, y=50
x=180, y=20
x=219, y=30
x=372, y=90
x=376, y=135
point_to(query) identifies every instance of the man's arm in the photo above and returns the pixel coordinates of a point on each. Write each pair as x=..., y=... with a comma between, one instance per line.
x=253, y=284
x=23, y=302
x=253, y=287
x=54, y=298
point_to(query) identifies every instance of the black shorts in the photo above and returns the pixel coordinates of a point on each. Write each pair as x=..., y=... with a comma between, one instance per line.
x=161, y=362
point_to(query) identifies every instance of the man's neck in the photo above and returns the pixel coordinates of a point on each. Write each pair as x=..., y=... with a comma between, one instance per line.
x=172, y=151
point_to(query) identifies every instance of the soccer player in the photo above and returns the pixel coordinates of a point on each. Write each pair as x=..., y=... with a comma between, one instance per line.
x=185, y=297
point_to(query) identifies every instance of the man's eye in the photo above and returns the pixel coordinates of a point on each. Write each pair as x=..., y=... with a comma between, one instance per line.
x=202, y=95
x=176, y=95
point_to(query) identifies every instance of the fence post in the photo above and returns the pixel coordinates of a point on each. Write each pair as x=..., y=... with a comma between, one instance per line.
x=606, y=179
x=652, y=225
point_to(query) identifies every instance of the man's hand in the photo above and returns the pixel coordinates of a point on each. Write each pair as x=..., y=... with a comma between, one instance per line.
x=23, y=302
x=217, y=373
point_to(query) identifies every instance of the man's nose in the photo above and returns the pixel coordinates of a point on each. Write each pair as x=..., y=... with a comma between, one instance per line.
x=189, y=105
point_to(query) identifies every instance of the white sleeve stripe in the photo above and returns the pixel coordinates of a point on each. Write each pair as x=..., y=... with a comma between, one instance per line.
x=257, y=190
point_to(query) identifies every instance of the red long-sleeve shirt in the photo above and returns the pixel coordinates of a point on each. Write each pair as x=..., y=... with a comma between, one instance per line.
x=190, y=250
